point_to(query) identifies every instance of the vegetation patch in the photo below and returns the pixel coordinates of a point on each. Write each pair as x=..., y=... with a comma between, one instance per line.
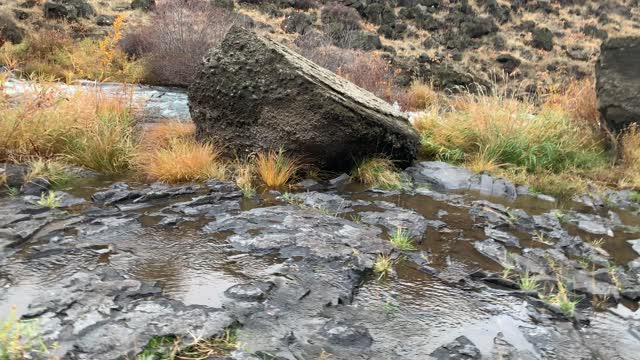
x=378, y=172
x=172, y=348
x=20, y=339
x=401, y=239
x=183, y=160
x=382, y=266
x=275, y=168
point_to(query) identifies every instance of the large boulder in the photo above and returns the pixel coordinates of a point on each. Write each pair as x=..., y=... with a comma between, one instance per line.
x=618, y=82
x=253, y=94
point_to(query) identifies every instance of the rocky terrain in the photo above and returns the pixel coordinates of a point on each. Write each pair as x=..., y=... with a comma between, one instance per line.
x=116, y=265
x=433, y=261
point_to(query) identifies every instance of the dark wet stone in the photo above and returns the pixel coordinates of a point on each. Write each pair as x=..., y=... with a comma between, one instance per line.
x=117, y=192
x=340, y=180
x=394, y=218
x=442, y=176
x=635, y=244
x=460, y=348
x=502, y=236
x=104, y=315
x=304, y=232
x=500, y=216
x=310, y=185
x=256, y=291
x=330, y=203
x=14, y=174
x=345, y=334
x=35, y=187
x=593, y=224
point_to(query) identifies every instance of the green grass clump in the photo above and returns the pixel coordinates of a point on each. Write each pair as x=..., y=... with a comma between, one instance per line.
x=528, y=283
x=401, y=239
x=378, y=172
x=20, y=339
x=50, y=200
x=635, y=197
x=562, y=299
x=53, y=170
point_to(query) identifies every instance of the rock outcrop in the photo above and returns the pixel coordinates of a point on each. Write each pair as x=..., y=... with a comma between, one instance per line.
x=68, y=9
x=253, y=94
x=618, y=82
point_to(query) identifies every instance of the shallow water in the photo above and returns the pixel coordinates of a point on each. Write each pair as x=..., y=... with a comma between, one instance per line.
x=412, y=309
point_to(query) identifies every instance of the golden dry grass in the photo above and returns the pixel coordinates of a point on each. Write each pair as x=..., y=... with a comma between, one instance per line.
x=161, y=134
x=182, y=160
x=244, y=176
x=378, y=172
x=630, y=159
x=275, y=168
x=419, y=96
x=85, y=128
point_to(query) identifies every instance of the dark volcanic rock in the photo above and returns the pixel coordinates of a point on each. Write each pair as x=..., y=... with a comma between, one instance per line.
x=68, y=9
x=542, y=38
x=9, y=31
x=460, y=348
x=254, y=94
x=618, y=82
x=143, y=4
x=297, y=22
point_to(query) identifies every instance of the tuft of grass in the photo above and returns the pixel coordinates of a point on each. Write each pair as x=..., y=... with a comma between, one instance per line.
x=20, y=339
x=182, y=161
x=420, y=96
x=53, y=170
x=547, y=145
x=275, y=168
x=219, y=346
x=562, y=299
x=50, y=200
x=401, y=239
x=161, y=134
x=159, y=347
x=528, y=283
x=630, y=159
x=244, y=178
x=378, y=172
x=85, y=128
x=382, y=266
x=635, y=197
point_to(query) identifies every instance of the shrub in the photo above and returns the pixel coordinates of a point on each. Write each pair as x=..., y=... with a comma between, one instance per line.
x=275, y=168
x=336, y=13
x=182, y=160
x=378, y=172
x=176, y=38
x=55, y=54
x=371, y=72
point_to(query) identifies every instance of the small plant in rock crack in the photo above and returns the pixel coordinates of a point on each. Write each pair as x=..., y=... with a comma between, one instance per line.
x=355, y=218
x=562, y=299
x=635, y=197
x=540, y=237
x=50, y=200
x=383, y=266
x=13, y=192
x=390, y=308
x=560, y=215
x=402, y=240
x=507, y=273
x=21, y=339
x=597, y=242
x=613, y=274
x=528, y=283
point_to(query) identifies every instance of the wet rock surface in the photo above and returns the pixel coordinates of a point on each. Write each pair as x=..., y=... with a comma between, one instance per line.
x=124, y=262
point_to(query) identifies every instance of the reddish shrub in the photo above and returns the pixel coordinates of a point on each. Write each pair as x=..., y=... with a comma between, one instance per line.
x=176, y=37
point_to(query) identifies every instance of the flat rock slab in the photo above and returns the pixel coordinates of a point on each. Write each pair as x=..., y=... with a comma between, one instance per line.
x=254, y=94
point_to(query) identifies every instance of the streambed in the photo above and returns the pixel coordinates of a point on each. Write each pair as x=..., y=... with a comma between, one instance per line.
x=293, y=273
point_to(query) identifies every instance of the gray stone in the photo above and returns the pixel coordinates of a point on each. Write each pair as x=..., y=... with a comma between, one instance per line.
x=460, y=349
x=635, y=244
x=618, y=82
x=253, y=94
x=35, y=187
x=68, y=9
